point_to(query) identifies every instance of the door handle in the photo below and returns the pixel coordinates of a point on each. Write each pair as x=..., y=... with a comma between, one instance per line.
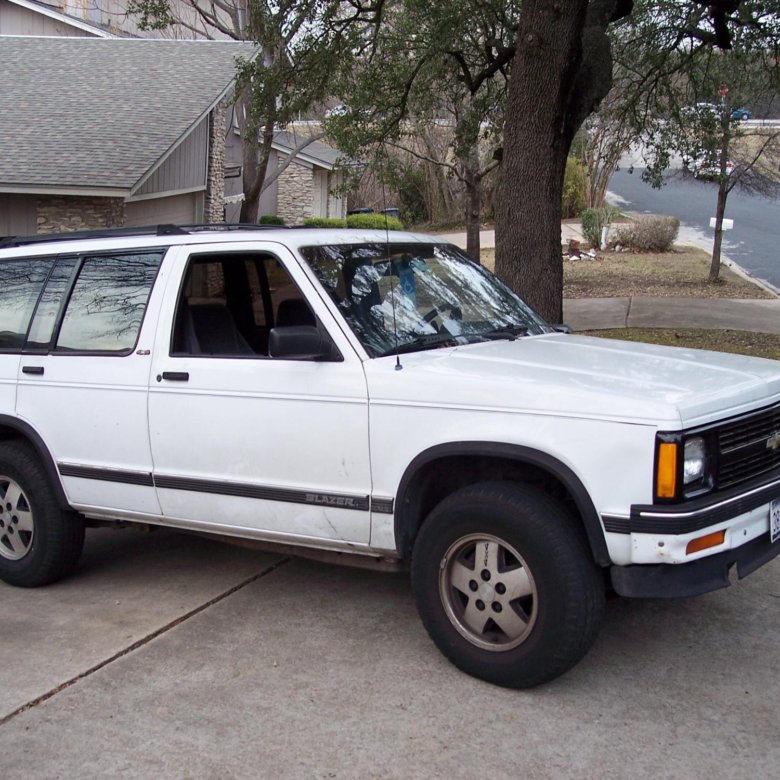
x=174, y=376
x=33, y=370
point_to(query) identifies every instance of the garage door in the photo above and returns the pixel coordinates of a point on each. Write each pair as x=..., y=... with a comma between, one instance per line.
x=176, y=210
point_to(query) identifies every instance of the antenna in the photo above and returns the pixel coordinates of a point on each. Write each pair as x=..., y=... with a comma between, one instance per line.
x=382, y=155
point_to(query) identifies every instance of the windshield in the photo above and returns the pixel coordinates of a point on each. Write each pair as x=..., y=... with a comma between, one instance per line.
x=404, y=297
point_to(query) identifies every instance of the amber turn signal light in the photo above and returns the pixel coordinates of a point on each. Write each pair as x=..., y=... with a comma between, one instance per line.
x=666, y=470
x=705, y=542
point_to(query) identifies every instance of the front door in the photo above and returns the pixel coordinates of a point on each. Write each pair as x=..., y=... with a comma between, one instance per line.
x=255, y=446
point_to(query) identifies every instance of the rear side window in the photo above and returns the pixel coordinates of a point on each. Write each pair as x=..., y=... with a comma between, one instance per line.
x=45, y=318
x=107, y=304
x=20, y=285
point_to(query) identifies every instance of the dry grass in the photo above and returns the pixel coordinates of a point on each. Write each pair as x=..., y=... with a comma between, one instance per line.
x=765, y=140
x=741, y=342
x=681, y=273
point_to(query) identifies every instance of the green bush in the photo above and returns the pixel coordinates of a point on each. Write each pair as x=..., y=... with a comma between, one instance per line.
x=374, y=222
x=594, y=221
x=648, y=234
x=271, y=219
x=410, y=181
x=325, y=222
x=573, y=188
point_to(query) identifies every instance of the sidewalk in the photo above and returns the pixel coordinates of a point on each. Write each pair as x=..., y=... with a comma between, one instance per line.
x=640, y=312
x=487, y=238
x=722, y=313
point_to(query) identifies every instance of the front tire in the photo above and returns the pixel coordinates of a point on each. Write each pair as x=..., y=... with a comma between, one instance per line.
x=505, y=584
x=39, y=542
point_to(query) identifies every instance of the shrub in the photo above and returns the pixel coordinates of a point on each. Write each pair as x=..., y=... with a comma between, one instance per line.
x=271, y=219
x=325, y=222
x=573, y=188
x=649, y=234
x=410, y=180
x=594, y=221
x=374, y=222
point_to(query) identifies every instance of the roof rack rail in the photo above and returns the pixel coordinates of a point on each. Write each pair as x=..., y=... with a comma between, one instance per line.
x=76, y=235
x=229, y=226
x=120, y=232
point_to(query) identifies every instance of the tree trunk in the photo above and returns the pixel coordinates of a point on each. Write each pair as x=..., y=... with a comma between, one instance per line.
x=255, y=165
x=557, y=49
x=723, y=188
x=473, y=186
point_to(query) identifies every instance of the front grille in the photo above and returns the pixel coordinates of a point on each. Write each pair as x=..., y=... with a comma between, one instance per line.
x=748, y=447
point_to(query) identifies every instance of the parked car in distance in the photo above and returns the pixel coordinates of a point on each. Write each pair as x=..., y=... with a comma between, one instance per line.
x=741, y=114
x=375, y=398
x=707, y=167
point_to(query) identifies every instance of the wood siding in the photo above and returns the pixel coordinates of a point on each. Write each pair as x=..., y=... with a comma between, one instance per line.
x=18, y=215
x=177, y=210
x=15, y=20
x=185, y=169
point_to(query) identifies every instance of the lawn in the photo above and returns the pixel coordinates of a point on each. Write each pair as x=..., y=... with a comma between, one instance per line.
x=680, y=273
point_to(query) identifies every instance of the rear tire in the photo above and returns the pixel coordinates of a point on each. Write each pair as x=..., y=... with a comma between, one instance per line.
x=39, y=541
x=506, y=585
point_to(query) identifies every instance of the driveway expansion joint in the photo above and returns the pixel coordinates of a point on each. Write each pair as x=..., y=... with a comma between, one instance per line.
x=144, y=640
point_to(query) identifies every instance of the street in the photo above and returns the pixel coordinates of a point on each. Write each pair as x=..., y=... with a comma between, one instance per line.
x=754, y=243
x=172, y=656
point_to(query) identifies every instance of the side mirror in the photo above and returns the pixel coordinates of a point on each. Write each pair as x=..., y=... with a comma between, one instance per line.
x=301, y=342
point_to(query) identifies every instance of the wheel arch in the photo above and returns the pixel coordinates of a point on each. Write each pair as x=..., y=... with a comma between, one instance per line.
x=13, y=428
x=444, y=468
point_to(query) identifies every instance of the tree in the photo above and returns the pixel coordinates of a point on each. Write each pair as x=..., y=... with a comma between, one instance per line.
x=430, y=67
x=297, y=41
x=561, y=71
x=721, y=157
x=688, y=112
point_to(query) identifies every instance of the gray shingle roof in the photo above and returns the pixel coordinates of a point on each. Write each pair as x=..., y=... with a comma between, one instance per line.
x=99, y=113
x=317, y=151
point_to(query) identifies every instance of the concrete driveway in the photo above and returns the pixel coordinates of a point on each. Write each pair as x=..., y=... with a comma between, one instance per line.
x=170, y=656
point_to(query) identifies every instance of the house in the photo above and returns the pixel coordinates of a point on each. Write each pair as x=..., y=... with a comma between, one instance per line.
x=111, y=132
x=30, y=17
x=306, y=186
x=303, y=178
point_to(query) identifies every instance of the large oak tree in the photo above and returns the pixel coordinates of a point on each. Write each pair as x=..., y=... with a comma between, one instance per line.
x=560, y=71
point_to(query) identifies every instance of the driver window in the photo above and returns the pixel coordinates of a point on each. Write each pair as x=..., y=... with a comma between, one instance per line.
x=229, y=303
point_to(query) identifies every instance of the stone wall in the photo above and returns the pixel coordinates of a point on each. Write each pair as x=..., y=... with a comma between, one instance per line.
x=214, y=204
x=294, y=199
x=65, y=213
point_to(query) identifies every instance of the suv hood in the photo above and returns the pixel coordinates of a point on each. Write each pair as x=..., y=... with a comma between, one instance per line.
x=582, y=376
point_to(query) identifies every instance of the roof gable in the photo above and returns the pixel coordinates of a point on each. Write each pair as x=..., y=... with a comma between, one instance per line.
x=98, y=114
x=67, y=19
x=316, y=153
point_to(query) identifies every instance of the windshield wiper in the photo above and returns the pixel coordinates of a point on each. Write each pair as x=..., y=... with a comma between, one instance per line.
x=426, y=341
x=509, y=332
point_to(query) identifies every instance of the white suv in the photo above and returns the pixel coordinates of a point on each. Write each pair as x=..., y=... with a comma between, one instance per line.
x=377, y=399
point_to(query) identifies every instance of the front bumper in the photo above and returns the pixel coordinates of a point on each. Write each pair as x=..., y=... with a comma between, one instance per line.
x=694, y=578
x=659, y=564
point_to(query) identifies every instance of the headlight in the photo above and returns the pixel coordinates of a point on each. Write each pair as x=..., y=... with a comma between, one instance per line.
x=694, y=460
x=683, y=466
